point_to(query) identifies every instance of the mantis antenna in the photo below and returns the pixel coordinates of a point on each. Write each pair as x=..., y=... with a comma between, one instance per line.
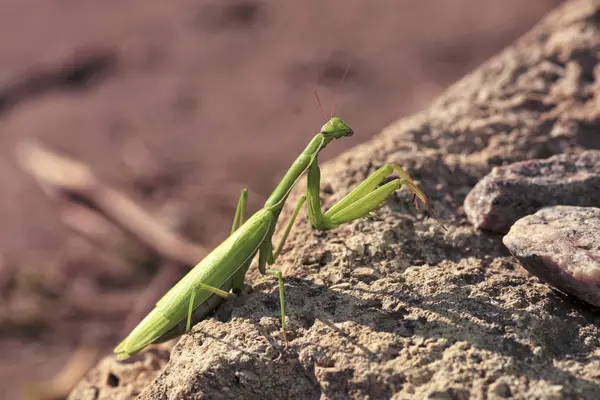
x=339, y=89
x=320, y=106
x=336, y=95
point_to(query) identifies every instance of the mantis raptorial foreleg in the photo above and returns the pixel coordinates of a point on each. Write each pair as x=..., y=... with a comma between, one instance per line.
x=362, y=200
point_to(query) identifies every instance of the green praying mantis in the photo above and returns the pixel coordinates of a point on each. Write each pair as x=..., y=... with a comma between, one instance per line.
x=206, y=286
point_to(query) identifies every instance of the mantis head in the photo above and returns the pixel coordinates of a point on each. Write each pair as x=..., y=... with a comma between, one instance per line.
x=335, y=128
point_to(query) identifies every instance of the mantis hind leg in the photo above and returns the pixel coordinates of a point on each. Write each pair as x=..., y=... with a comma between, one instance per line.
x=240, y=211
x=362, y=200
x=201, y=286
x=238, y=220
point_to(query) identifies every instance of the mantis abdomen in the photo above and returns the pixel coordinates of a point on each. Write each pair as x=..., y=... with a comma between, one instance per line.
x=215, y=270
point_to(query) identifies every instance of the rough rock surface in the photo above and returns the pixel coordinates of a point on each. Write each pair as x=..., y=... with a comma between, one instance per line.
x=394, y=306
x=519, y=189
x=134, y=375
x=561, y=246
x=181, y=105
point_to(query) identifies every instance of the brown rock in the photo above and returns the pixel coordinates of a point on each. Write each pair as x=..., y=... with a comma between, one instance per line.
x=561, y=246
x=513, y=191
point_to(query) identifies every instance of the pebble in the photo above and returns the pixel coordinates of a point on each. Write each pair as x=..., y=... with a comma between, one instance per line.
x=561, y=246
x=513, y=191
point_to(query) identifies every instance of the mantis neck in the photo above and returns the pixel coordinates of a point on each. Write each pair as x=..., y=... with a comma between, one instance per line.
x=277, y=199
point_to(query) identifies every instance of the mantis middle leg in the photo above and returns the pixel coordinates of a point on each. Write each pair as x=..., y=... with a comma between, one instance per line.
x=267, y=256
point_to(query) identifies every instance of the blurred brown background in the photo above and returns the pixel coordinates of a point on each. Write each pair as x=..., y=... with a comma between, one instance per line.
x=181, y=104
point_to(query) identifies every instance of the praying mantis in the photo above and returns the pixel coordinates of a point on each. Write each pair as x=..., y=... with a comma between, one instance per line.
x=206, y=286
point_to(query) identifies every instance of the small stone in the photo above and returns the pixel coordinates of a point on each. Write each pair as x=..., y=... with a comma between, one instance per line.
x=513, y=191
x=362, y=272
x=449, y=394
x=501, y=389
x=561, y=246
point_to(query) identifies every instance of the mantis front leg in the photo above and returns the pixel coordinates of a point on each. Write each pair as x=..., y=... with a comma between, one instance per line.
x=362, y=200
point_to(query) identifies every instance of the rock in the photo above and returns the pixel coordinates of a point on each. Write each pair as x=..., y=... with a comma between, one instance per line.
x=513, y=191
x=122, y=380
x=561, y=246
x=442, y=313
